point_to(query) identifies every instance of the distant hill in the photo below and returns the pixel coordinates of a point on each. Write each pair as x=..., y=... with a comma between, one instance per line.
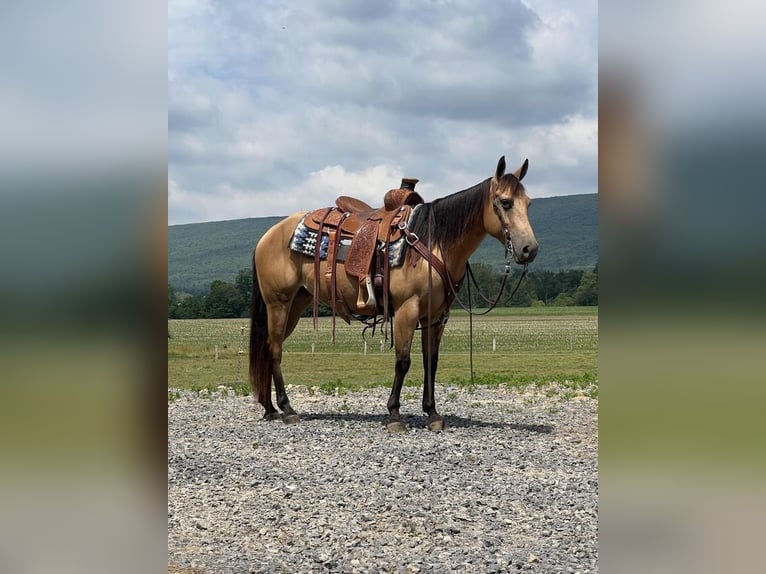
x=566, y=228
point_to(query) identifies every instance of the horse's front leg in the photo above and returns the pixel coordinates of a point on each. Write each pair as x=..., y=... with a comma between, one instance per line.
x=405, y=321
x=431, y=338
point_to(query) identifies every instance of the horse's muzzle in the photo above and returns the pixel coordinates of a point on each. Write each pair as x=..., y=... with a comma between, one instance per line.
x=525, y=254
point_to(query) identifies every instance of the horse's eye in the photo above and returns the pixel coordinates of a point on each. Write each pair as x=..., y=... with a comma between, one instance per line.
x=506, y=203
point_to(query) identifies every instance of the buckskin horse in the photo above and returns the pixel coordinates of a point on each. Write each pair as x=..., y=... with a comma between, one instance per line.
x=437, y=239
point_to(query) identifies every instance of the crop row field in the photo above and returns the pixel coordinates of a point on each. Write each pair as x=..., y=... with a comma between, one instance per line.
x=532, y=346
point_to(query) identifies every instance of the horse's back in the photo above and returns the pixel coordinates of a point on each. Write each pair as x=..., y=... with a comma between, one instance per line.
x=273, y=257
x=279, y=234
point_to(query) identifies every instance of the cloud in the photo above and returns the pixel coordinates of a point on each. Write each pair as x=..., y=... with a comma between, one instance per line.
x=264, y=100
x=319, y=188
x=368, y=185
x=568, y=153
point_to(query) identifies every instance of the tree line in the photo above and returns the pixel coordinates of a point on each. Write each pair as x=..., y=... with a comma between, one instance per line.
x=555, y=288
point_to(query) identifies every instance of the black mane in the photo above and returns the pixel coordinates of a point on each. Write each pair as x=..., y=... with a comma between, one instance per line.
x=453, y=215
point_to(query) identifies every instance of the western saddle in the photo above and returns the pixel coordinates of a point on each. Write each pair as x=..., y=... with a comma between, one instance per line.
x=370, y=232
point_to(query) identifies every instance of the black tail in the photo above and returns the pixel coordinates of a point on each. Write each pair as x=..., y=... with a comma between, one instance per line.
x=260, y=353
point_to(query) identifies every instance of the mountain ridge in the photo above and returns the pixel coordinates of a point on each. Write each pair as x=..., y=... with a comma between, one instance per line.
x=566, y=228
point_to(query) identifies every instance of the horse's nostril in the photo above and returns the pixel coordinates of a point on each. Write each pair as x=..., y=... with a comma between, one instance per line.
x=529, y=251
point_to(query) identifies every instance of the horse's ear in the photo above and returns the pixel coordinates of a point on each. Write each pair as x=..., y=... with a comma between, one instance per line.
x=500, y=171
x=522, y=171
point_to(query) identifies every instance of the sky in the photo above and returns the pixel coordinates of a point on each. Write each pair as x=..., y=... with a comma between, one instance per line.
x=276, y=107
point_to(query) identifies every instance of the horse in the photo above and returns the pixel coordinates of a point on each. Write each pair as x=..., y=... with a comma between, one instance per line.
x=448, y=230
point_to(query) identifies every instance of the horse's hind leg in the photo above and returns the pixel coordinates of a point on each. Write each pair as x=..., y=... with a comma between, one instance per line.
x=279, y=316
x=431, y=335
x=301, y=301
x=282, y=322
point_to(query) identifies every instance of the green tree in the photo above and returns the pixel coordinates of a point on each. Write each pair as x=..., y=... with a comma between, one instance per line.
x=244, y=285
x=223, y=301
x=486, y=287
x=525, y=294
x=172, y=302
x=587, y=291
x=563, y=300
x=547, y=285
x=190, y=307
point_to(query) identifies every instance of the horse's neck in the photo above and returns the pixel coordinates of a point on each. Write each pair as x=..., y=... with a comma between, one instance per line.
x=463, y=205
x=457, y=256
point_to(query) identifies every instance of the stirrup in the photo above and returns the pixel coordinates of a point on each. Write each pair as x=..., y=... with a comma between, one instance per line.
x=372, y=302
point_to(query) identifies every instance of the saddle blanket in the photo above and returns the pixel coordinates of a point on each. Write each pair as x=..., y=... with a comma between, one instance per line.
x=304, y=241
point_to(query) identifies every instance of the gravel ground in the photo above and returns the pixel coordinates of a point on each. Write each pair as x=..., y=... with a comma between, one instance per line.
x=511, y=486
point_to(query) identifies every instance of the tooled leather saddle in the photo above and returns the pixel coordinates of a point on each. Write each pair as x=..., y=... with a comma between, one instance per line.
x=370, y=232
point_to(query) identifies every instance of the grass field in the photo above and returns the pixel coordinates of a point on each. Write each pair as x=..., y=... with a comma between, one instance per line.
x=510, y=346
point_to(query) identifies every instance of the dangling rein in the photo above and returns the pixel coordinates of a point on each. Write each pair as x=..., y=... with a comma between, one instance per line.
x=492, y=306
x=469, y=272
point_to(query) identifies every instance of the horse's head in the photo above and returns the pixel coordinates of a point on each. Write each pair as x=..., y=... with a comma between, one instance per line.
x=505, y=217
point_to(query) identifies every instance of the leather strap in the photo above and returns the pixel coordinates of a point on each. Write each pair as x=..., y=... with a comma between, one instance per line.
x=386, y=274
x=450, y=287
x=332, y=260
x=317, y=251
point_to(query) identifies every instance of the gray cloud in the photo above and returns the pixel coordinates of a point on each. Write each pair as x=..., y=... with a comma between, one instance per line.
x=263, y=98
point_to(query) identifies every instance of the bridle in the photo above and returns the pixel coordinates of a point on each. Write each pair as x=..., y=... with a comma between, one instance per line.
x=507, y=232
x=509, y=250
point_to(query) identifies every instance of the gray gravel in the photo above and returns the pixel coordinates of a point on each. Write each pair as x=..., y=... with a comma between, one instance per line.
x=511, y=486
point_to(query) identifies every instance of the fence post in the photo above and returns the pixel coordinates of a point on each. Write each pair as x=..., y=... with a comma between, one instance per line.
x=241, y=351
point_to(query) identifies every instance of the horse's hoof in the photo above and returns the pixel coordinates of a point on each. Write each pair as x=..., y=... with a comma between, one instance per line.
x=272, y=416
x=291, y=419
x=437, y=425
x=396, y=427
